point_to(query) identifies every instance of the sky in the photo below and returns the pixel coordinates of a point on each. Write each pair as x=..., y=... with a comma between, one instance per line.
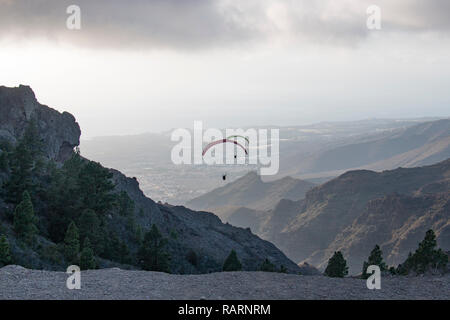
x=148, y=66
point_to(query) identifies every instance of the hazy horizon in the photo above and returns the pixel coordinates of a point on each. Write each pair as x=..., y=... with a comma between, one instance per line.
x=269, y=125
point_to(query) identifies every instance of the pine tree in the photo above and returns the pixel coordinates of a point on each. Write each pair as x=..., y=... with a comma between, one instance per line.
x=95, y=188
x=24, y=220
x=232, y=262
x=72, y=244
x=153, y=255
x=79, y=185
x=87, y=258
x=63, y=198
x=425, y=258
x=5, y=254
x=124, y=253
x=337, y=266
x=139, y=235
x=24, y=161
x=89, y=226
x=375, y=258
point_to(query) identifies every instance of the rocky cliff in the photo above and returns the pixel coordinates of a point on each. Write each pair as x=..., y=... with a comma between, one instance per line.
x=59, y=132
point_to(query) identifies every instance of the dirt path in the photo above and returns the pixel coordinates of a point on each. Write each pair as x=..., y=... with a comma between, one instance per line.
x=19, y=283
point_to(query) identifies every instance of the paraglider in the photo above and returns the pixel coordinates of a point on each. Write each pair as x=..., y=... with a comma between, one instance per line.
x=227, y=140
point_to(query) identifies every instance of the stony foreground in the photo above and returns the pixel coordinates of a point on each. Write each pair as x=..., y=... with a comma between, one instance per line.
x=20, y=283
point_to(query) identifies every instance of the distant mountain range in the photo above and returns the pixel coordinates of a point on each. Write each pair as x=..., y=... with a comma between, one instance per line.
x=354, y=212
x=421, y=144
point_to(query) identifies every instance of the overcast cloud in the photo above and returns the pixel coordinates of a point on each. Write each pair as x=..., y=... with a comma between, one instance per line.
x=197, y=24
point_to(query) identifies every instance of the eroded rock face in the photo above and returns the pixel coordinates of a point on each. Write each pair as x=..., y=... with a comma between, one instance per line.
x=59, y=131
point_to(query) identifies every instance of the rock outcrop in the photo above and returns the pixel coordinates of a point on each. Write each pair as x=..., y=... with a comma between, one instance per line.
x=59, y=132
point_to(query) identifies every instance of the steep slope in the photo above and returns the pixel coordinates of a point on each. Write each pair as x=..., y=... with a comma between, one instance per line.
x=186, y=230
x=331, y=214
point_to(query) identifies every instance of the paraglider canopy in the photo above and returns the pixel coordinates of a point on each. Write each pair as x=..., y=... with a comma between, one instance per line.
x=239, y=136
x=212, y=144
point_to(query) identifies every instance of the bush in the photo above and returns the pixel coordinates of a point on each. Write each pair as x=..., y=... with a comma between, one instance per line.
x=337, y=266
x=52, y=253
x=267, y=266
x=283, y=269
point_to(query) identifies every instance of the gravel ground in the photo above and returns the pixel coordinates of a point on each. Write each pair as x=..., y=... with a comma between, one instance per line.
x=20, y=283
